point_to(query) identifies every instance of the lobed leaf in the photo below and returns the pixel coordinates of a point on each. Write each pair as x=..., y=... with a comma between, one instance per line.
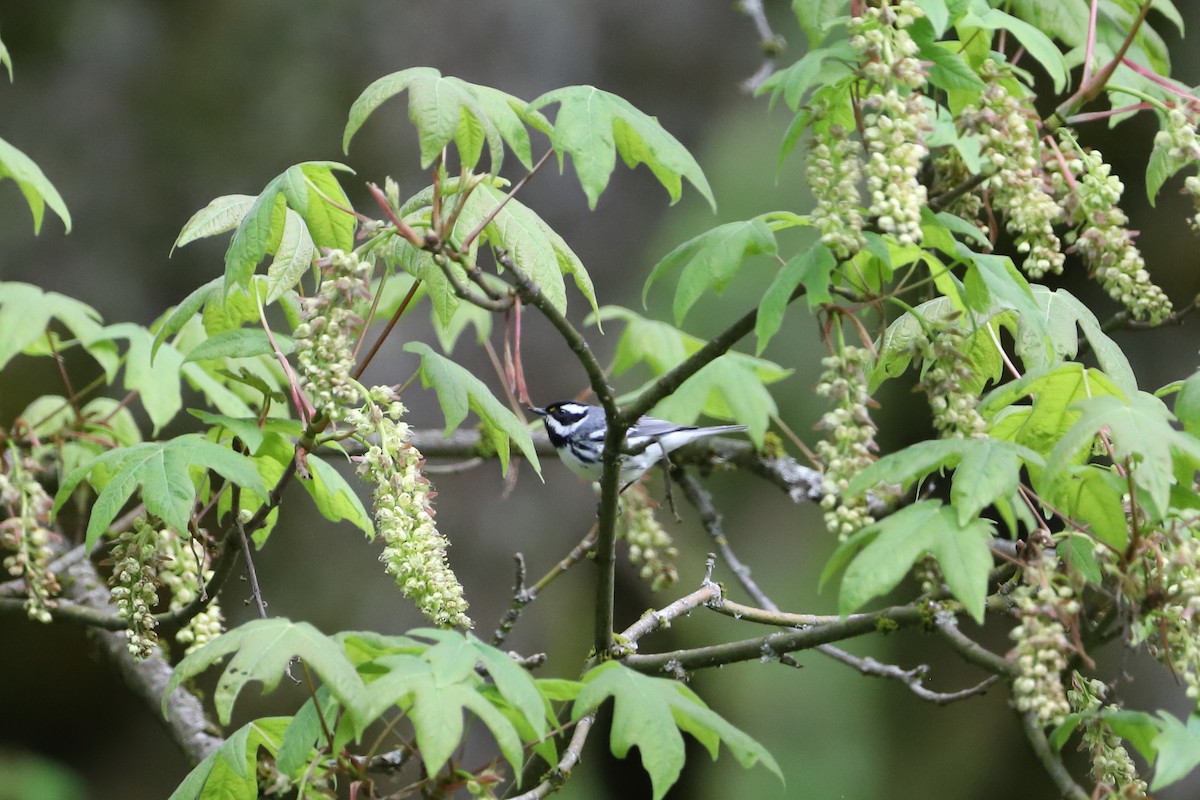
x=334, y=497
x=240, y=343
x=37, y=188
x=1140, y=433
x=649, y=713
x=893, y=545
x=1178, y=749
x=230, y=772
x=710, y=260
x=162, y=472
x=445, y=109
x=536, y=247
x=811, y=268
x=26, y=313
x=262, y=651
x=732, y=386
x=1039, y=46
x=312, y=192
x=459, y=391
x=592, y=126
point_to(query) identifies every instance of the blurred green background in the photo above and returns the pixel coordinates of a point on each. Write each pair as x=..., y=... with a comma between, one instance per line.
x=140, y=112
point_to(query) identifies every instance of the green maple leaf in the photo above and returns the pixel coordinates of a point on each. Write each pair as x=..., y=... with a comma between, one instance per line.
x=881, y=554
x=650, y=714
x=710, y=260
x=459, y=391
x=592, y=126
x=37, y=188
x=446, y=109
x=435, y=684
x=1140, y=433
x=163, y=473
x=25, y=313
x=229, y=772
x=262, y=651
x=312, y=192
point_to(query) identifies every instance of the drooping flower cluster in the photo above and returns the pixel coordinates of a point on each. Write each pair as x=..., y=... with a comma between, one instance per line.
x=892, y=131
x=135, y=587
x=414, y=552
x=1044, y=606
x=24, y=532
x=955, y=409
x=1103, y=240
x=849, y=443
x=1004, y=126
x=1112, y=769
x=325, y=340
x=651, y=548
x=1173, y=627
x=887, y=52
x=184, y=570
x=1179, y=140
x=833, y=171
x=895, y=116
x=949, y=173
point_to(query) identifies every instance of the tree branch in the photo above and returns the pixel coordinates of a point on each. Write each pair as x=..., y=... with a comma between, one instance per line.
x=671, y=380
x=776, y=644
x=652, y=620
x=1050, y=760
x=606, y=537
x=770, y=43
x=185, y=720
x=913, y=678
x=971, y=651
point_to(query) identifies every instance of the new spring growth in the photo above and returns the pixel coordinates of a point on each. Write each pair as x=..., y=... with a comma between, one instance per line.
x=26, y=507
x=849, y=444
x=1103, y=240
x=895, y=116
x=833, y=171
x=650, y=546
x=135, y=586
x=1043, y=605
x=414, y=551
x=1173, y=627
x=1113, y=771
x=946, y=382
x=184, y=569
x=1006, y=129
x=325, y=339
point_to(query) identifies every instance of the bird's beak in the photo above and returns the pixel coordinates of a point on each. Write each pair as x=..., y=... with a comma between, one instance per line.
x=541, y=412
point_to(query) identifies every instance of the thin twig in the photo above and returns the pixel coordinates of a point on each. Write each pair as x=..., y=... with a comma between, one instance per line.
x=699, y=497
x=570, y=758
x=709, y=592
x=255, y=589
x=461, y=290
x=913, y=678
x=968, y=649
x=478, y=229
x=770, y=43
x=519, y=601
x=774, y=645
x=400, y=309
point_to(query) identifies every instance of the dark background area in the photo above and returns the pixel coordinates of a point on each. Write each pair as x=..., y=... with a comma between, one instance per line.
x=141, y=112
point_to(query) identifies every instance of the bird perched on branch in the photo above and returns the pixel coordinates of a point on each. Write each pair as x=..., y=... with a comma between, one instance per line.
x=577, y=431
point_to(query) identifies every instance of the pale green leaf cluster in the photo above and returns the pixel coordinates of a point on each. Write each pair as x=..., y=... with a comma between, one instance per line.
x=431, y=677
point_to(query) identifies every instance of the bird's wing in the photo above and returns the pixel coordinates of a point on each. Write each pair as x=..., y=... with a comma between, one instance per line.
x=650, y=427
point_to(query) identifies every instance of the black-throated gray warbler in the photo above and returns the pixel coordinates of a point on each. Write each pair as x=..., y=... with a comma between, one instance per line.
x=577, y=432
